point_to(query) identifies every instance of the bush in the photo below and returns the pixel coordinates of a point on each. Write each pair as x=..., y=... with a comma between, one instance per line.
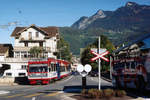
x=120, y=93
x=95, y=93
x=109, y=93
x=84, y=92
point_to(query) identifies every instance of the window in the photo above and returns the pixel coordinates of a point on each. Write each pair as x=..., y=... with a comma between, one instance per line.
x=26, y=44
x=22, y=74
x=17, y=54
x=52, y=67
x=127, y=65
x=133, y=65
x=24, y=67
x=49, y=69
x=8, y=74
x=30, y=35
x=23, y=54
x=41, y=44
x=37, y=34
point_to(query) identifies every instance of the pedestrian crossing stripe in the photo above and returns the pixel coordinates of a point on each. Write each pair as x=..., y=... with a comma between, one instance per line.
x=32, y=95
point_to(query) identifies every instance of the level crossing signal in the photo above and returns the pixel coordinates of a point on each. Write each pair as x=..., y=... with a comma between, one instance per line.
x=100, y=55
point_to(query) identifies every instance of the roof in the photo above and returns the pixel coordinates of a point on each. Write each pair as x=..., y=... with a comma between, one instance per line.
x=4, y=48
x=139, y=39
x=48, y=31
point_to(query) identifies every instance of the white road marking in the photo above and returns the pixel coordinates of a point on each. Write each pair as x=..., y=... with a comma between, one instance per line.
x=33, y=98
x=66, y=79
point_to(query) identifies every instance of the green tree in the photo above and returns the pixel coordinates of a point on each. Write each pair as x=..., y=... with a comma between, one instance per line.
x=63, y=50
x=36, y=51
x=87, y=55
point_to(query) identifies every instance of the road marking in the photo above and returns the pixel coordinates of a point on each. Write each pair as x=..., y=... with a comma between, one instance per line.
x=13, y=95
x=51, y=94
x=66, y=79
x=33, y=98
x=32, y=95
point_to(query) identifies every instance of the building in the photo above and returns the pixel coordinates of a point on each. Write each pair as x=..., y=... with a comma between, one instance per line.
x=5, y=51
x=26, y=38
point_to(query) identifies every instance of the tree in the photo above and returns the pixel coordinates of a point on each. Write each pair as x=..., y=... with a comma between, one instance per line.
x=36, y=51
x=87, y=55
x=63, y=50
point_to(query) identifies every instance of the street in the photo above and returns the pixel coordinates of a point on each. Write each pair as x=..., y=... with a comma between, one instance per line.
x=53, y=91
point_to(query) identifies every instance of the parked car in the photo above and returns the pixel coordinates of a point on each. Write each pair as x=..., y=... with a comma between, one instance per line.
x=93, y=74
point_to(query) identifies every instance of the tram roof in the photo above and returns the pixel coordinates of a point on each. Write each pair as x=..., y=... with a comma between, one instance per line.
x=141, y=38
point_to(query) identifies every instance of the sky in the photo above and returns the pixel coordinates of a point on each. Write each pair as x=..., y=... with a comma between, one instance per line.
x=50, y=12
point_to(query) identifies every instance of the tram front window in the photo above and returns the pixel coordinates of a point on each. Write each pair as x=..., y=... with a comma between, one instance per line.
x=38, y=69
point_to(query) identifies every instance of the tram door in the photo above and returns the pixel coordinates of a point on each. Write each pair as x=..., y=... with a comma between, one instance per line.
x=58, y=70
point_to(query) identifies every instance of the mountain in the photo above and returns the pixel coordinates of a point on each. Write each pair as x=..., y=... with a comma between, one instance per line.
x=84, y=21
x=121, y=25
x=132, y=15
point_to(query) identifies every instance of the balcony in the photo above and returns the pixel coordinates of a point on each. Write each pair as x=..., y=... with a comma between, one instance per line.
x=17, y=48
x=31, y=40
x=20, y=60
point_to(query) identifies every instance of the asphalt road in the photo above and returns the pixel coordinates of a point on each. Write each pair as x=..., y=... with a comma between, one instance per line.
x=54, y=91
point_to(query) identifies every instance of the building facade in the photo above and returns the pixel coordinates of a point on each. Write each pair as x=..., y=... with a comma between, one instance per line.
x=33, y=36
x=26, y=38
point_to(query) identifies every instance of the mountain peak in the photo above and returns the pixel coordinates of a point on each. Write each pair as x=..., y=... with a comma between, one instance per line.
x=129, y=4
x=99, y=12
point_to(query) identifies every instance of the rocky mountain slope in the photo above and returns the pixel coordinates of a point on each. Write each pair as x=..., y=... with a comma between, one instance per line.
x=122, y=25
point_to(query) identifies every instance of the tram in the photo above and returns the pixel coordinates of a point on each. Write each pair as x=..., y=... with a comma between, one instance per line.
x=131, y=64
x=43, y=71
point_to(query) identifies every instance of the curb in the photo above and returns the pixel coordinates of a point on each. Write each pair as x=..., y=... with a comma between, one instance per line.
x=109, y=80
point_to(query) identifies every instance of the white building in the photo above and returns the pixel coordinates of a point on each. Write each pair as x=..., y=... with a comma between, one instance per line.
x=27, y=38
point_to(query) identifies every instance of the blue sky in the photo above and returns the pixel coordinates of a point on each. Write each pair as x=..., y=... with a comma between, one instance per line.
x=50, y=12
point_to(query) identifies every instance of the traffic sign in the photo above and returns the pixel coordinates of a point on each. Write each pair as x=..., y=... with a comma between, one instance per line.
x=87, y=68
x=101, y=55
x=96, y=50
x=80, y=68
x=84, y=70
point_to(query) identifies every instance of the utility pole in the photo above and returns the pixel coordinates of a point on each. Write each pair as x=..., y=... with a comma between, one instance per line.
x=99, y=63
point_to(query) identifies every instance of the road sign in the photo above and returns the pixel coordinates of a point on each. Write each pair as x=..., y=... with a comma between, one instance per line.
x=87, y=68
x=96, y=50
x=100, y=55
x=80, y=68
x=84, y=70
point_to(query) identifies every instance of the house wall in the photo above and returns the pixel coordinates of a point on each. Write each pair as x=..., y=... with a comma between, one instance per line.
x=50, y=43
x=25, y=36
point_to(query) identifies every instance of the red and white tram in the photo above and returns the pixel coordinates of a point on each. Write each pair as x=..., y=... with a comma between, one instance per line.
x=131, y=64
x=43, y=71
